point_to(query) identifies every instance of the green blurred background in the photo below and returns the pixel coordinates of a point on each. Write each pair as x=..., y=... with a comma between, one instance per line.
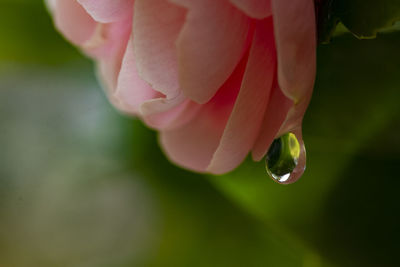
x=82, y=185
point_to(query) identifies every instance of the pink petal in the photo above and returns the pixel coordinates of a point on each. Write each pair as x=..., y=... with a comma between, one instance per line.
x=108, y=39
x=245, y=121
x=295, y=35
x=110, y=51
x=174, y=117
x=132, y=90
x=210, y=45
x=275, y=115
x=157, y=24
x=161, y=104
x=258, y=9
x=73, y=21
x=193, y=144
x=135, y=96
x=295, y=115
x=167, y=113
x=106, y=11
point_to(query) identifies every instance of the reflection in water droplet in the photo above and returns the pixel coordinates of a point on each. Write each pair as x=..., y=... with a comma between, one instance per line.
x=282, y=162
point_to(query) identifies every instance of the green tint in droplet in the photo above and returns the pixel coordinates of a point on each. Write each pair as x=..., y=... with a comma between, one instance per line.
x=283, y=157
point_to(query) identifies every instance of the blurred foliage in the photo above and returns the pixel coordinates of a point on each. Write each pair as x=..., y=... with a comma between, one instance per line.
x=56, y=125
x=27, y=34
x=81, y=185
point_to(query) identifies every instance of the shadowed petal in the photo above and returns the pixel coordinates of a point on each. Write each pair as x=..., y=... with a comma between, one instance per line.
x=174, y=117
x=161, y=104
x=295, y=34
x=258, y=9
x=110, y=52
x=132, y=90
x=210, y=45
x=245, y=121
x=275, y=115
x=193, y=145
x=135, y=96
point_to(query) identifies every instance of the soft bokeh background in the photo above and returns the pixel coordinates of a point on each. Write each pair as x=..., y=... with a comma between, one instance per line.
x=82, y=185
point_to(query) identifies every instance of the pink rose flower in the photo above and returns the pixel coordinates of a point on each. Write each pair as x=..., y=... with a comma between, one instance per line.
x=217, y=78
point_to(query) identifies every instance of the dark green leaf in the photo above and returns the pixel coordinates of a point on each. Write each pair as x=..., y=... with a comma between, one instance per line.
x=364, y=18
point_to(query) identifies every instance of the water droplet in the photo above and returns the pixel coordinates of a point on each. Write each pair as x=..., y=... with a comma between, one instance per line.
x=285, y=161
